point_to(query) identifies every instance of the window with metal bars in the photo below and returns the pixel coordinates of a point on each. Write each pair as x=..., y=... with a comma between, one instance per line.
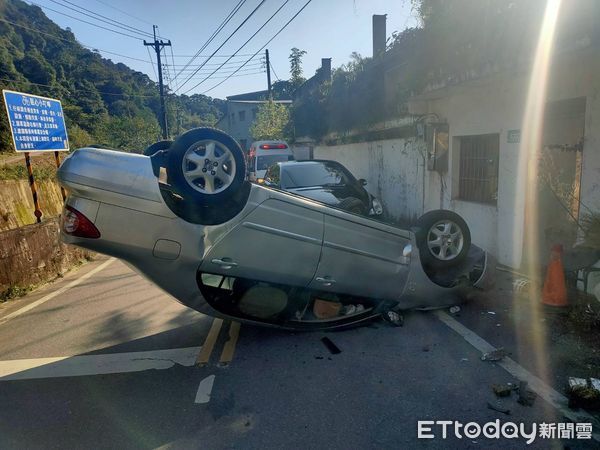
x=478, y=168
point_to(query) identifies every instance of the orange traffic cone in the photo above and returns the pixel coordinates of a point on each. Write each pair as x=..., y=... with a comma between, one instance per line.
x=554, y=292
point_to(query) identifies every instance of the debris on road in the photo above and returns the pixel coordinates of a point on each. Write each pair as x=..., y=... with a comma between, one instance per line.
x=502, y=390
x=521, y=286
x=584, y=393
x=393, y=318
x=495, y=355
x=492, y=313
x=454, y=309
x=526, y=397
x=497, y=407
x=333, y=349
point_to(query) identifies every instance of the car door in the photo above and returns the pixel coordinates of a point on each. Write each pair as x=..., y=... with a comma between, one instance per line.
x=279, y=242
x=362, y=257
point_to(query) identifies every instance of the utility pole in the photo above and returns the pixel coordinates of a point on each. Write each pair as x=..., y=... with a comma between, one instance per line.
x=158, y=45
x=268, y=73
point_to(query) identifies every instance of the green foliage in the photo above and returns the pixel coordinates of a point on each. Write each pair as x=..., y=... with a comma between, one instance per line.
x=93, y=90
x=456, y=40
x=131, y=134
x=351, y=100
x=14, y=292
x=296, y=78
x=79, y=138
x=19, y=172
x=282, y=90
x=271, y=122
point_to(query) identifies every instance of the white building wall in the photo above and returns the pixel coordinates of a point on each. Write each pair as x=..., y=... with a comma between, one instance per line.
x=393, y=170
x=485, y=109
x=497, y=105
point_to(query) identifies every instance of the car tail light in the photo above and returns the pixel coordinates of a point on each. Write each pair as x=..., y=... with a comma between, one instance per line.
x=273, y=146
x=75, y=223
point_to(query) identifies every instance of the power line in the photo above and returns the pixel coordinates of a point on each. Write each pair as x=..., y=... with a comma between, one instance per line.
x=100, y=18
x=110, y=52
x=71, y=41
x=260, y=49
x=124, y=12
x=271, y=64
x=215, y=56
x=230, y=70
x=242, y=46
x=85, y=21
x=225, y=21
x=78, y=88
x=152, y=63
x=257, y=60
x=206, y=70
x=232, y=75
x=226, y=40
x=174, y=74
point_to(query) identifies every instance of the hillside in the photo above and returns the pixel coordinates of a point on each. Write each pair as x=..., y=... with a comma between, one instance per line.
x=104, y=102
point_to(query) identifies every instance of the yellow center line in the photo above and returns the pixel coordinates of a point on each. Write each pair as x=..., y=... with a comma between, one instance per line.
x=209, y=343
x=229, y=347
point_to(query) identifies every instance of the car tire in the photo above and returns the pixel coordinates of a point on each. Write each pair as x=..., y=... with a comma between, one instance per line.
x=443, y=238
x=353, y=205
x=157, y=146
x=206, y=165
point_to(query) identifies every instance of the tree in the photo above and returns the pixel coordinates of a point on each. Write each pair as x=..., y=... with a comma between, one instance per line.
x=296, y=67
x=271, y=121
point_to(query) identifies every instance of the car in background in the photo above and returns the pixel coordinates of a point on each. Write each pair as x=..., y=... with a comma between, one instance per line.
x=263, y=154
x=325, y=181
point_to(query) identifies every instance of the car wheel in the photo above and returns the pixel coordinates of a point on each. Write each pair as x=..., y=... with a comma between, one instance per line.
x=206, y=165
x=353, y=205
x=160, y=145
x=443, y=238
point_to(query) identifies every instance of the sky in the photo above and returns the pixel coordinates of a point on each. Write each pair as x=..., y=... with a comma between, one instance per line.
x=324, y=29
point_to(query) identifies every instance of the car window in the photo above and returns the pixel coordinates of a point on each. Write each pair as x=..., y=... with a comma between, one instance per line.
x=264, y=161
x=305, y=175
x=272, y=175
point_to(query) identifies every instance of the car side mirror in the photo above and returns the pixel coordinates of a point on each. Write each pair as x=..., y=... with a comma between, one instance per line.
x=362, y=182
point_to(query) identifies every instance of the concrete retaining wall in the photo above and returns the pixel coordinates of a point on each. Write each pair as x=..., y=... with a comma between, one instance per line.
x=393, y=169
x=33, y=254
x=16, y=203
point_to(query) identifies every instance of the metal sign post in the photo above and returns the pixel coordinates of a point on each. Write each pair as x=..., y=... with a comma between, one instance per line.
x=62, y=189
x=36, y=204
x=37, y=124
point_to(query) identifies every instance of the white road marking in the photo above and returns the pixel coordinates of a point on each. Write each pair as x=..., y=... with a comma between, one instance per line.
x=85, y=365
x=553, y=397
x=50, y=296
x=205, y=389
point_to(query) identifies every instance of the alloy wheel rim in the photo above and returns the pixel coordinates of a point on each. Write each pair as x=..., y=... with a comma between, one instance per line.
x=208, y=167
x=445, y=240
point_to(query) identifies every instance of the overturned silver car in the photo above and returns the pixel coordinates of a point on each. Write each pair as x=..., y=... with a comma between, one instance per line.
x=187, y=219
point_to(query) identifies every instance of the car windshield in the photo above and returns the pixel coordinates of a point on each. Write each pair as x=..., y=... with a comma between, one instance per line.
x=314, y=174
x=263, y=162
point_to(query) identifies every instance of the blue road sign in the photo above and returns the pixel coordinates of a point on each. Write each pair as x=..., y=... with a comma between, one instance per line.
x=37, y=123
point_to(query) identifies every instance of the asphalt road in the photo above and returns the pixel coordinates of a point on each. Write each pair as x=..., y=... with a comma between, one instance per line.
x=104, y=359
